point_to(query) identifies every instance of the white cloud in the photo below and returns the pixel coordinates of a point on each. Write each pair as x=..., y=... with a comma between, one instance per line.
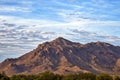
x=13, y=9
x=20, y=2
x=28, y=22
x=92, y=10
x=86, y=36
x=97, y=4
x=47, y=23
x=75, y=7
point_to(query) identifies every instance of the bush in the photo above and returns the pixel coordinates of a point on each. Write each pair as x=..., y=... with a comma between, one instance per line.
x=3, y=76
x=117, y=78
x=69, y=77
x=87, y=76
x=49, y=76
x=103, y=77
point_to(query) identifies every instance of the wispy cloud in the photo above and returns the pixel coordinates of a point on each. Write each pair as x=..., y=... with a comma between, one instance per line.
x=87, y=36
x=14, y=9
x=40, y=29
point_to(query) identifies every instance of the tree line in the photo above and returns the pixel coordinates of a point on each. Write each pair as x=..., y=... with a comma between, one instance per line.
x=51, y=76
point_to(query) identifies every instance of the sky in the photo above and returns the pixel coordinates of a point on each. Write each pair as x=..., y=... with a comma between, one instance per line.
x=26, y=23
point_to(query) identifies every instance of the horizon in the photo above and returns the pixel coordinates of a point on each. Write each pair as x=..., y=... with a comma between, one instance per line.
x=24, y=24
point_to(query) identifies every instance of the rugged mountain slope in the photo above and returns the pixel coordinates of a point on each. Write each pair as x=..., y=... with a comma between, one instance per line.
x=62, y=56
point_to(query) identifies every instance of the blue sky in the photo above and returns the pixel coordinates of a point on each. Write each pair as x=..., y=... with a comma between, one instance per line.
x=60, y=10
x=26, y=23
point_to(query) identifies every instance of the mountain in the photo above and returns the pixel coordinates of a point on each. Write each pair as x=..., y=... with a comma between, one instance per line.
x=62, y=56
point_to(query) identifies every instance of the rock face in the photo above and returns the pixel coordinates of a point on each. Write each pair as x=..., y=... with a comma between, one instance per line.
x=62, y=56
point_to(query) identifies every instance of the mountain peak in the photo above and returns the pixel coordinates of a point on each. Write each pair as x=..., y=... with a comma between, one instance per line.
x=61, y=38
x=61, y=41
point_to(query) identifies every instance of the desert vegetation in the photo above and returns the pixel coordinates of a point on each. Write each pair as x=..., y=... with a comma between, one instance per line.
x=51, y=76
